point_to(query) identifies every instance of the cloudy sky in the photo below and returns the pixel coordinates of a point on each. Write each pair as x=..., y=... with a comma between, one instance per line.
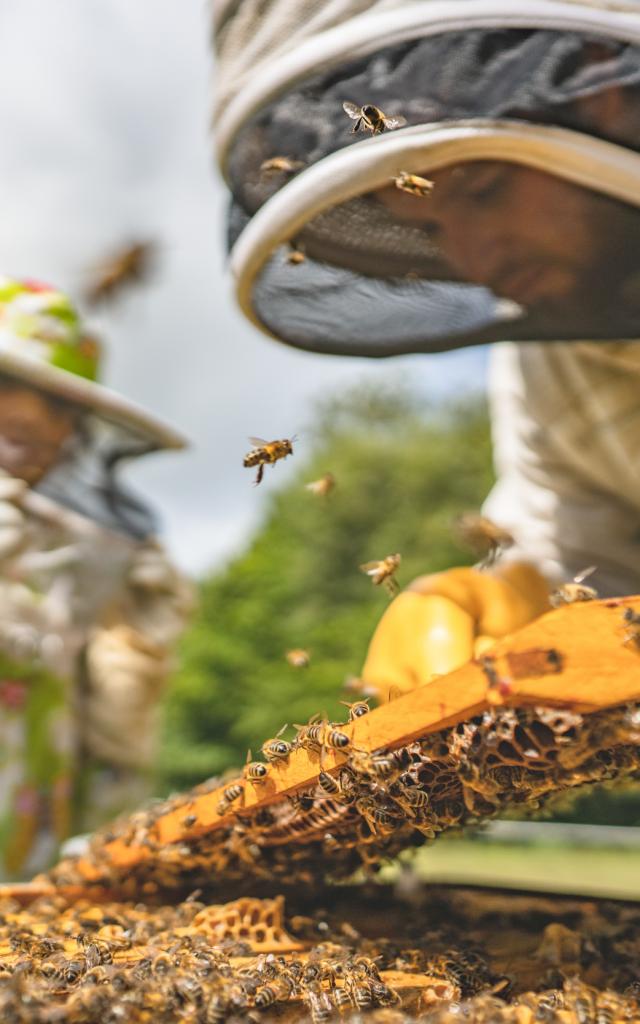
x=104, y=121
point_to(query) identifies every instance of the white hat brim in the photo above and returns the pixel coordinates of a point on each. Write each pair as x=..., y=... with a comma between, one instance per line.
x=95, y=397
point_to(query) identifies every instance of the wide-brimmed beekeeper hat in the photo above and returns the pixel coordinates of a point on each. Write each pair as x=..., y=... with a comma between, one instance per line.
x=318, y=262
x=43, y=344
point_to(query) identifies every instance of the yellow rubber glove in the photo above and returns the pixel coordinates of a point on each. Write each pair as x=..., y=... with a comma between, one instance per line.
x=443, y=620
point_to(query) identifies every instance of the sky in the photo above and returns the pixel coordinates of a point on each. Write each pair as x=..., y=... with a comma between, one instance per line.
x=105, y=115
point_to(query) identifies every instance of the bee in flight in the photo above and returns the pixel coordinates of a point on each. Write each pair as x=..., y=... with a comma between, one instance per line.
x=280, y=165
x=372, y=119
x=323, y=486
x=569, y=593
x=483, y=536
x=413, y=184
x=384, y=572
x=266, y=453
x=130, y=264
x=298, y=658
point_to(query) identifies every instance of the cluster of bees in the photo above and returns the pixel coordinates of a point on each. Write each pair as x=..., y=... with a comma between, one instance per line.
x=469, y=956
x=374, y=805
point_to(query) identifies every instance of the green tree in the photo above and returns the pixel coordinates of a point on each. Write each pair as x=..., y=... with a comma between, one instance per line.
x=402, y=474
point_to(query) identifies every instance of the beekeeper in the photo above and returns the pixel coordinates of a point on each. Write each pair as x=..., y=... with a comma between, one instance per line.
x=526, y=118
x=90, y=606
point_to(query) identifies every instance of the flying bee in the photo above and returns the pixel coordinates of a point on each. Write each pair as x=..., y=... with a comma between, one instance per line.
x=357, y=708
x=372, y=119
x=383, y=572
x=298, y=658
x=631, y=621
x=569, y=593
x=295, y=255
x=265, y=453
x=277, y=749
x=280, y=165
x=413, y=184
x=323, y=486
x=229, y=796
x=255, y=771
x=130, y=264
x=483, y=536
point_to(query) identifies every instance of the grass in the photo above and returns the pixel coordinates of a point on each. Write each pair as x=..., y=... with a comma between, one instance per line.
x=577, y=870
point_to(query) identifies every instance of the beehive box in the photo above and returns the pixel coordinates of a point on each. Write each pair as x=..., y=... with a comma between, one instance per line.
x=557, y=706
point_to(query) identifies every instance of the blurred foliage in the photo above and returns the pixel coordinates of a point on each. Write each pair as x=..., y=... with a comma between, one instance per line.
x=402, y=474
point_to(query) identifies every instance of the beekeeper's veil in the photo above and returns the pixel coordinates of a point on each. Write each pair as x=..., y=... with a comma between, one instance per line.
x=512, y=81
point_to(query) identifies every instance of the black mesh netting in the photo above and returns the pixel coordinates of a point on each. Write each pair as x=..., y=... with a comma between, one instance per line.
x=372, y=283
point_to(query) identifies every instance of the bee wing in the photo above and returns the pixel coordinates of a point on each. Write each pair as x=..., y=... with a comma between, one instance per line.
x=393, y=122
x=351, y=109
x=258, y=442
x=370, y=567
x=278, y=734
x=579, y=577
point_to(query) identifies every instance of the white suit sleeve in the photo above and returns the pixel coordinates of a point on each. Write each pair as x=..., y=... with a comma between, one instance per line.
x=567, y=461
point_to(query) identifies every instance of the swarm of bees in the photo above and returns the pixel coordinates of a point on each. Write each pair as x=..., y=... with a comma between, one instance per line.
x=266, y=453
x=367, y=805
x=371, y=119
x=130, y=265
x=383, y=572
x=195, y=962
x=483, y=536
x=323, y=486
x=570, y=593
x=413, y=184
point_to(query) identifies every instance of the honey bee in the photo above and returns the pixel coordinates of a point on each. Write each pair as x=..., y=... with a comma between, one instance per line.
x=189, y=820
x=341, y=786
x=569, y=593
x=483, y=536
x=372, y=119
x=229, y=796
x=320, y=1004
x=298, y=658
x=498, y=688
x=130, y=264
x=255, y=771
x=280, y=165
x=265, y=453
x=309, y=736
x=383, y=572
x=295, y=255
x=323, y=486
x=357, y=708
x=276, y=749
x=631, y=620
x=317, y=735
x=413, y=184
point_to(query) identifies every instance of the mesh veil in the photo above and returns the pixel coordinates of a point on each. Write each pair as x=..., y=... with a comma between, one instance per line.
x=371, y=283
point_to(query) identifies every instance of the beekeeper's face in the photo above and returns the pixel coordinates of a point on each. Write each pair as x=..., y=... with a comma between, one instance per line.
x=526, y=234
x=33, y=430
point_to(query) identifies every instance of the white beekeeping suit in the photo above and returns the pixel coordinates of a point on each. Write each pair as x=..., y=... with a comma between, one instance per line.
x=566, y=433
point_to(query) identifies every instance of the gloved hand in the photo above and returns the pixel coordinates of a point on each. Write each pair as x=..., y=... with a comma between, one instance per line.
x=13, y=522
x=443, y=620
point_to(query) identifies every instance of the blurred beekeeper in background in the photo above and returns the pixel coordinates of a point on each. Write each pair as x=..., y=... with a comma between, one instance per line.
x=90, y=606
x=490, y=193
